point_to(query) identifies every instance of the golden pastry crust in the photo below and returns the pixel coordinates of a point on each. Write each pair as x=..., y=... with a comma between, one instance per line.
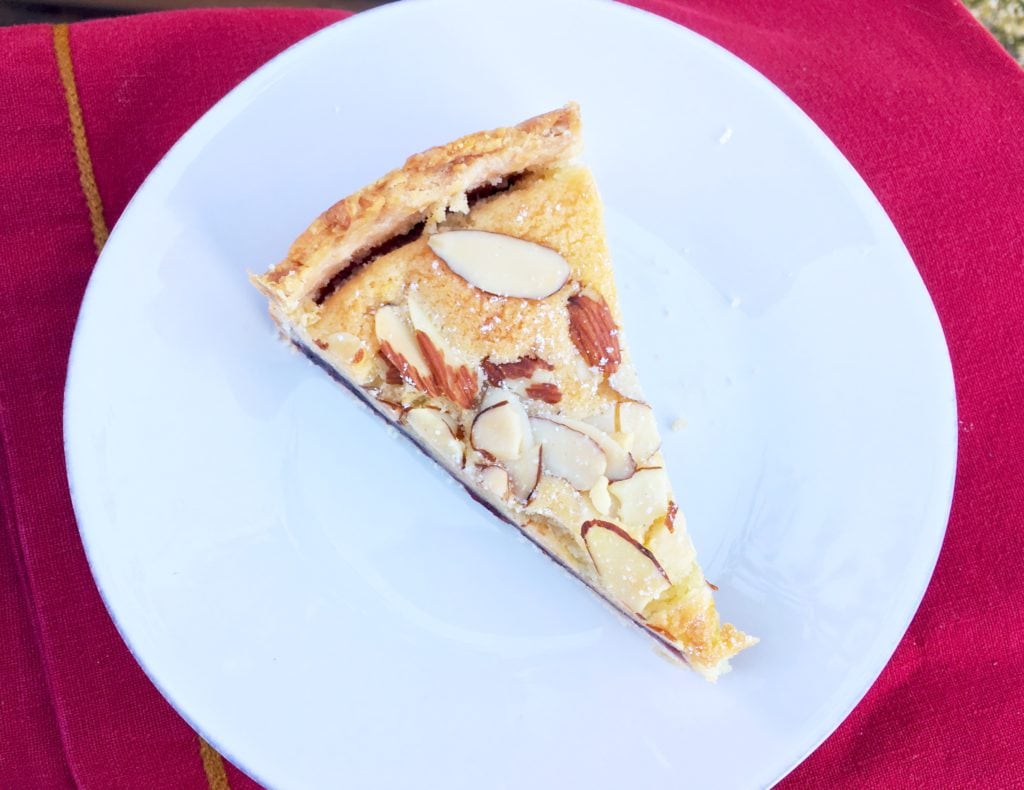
x=429, y=184
x=449, y=350
x=559, y=207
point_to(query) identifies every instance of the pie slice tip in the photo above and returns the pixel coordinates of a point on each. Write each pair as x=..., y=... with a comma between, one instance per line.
x=469, y=298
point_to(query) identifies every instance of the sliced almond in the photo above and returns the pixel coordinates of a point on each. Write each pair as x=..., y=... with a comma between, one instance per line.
x=448, y=370
x=498, y=432
x=495, y=395
x=501, y=265
x=620, y=464
x=546, y=391
x=436, y=431
x=421, y=321
x=495, y=480
x=599, y=496
x=522, y=368
x=569, y=551
x=625, y=382
x=558, y=503
x=569, y=454
x=593, y=331
x=604, y=420
x=656, y=461
x=391, y=374
x=629, y=571
x=638, y=419
x=349, y=347
x=399, y=346
x=674, y=551
x=349, y=353
x=642, y=499
x=502, y=427
x=627, y=440
x=395, y=410
x=524, y=473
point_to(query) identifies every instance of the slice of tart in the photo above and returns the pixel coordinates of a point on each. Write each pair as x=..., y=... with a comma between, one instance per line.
x=468, y=297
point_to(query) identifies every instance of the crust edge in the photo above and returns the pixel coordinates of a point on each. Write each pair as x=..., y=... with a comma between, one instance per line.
x=424, y=188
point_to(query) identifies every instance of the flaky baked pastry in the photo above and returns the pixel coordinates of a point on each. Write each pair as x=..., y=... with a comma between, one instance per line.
x=468, y=297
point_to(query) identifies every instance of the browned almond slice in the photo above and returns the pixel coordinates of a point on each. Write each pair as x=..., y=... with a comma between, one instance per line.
x=398, y=345
x=642, y=498
x=522, y=368
x=593, y=331
x=629, y=571
x=501, y=265
x=501, y=428
x=448, y=369
x=436, y=431
x=524, y=472
x=638, y=419
x=569, y=454
x=620, y=463
x=495, y=480
x=546, y=391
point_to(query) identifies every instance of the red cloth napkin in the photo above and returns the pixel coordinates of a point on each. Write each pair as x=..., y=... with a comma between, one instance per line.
x=917, y=96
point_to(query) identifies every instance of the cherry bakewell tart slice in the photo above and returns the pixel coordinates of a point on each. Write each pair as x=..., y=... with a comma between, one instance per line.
x=468, y=297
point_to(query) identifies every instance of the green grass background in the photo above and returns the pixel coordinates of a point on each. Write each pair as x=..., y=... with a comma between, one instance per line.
x=1005, y=20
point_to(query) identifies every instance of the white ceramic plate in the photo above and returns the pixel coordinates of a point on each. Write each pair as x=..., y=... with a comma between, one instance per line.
x=327, y=608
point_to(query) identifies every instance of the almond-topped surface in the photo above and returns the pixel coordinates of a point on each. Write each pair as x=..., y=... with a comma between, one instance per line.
x=469, y=298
